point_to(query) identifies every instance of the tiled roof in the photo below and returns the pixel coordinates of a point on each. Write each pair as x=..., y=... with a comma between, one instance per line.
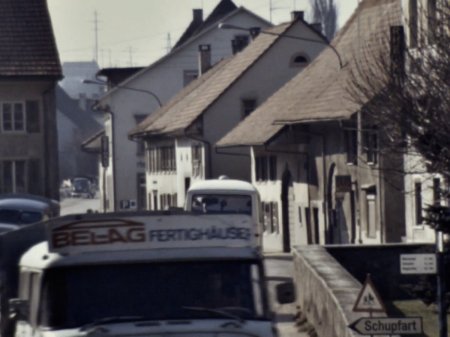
x=179, y=113
x=321, y=91
x=27, y=44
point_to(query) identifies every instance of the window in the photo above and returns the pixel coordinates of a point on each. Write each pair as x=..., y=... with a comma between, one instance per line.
x=351, y=143
x=248, y=105
x=189, y=76
x=13, y=117
x=162, y=159
x=270, y=213
x=239, y=43
x=436, y=191
x=197, y=162
x=413, y=23
x=13, y=176
x=266, y=168
x=370, y=144
x=418, y=202
x=299, y=60
x=167, y=201
x=371, y=215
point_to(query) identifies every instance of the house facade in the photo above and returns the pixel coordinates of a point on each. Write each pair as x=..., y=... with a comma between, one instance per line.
x=29, y=71
x=128, y=103
x=421, y=20
x=181, y=137
x=316, y=158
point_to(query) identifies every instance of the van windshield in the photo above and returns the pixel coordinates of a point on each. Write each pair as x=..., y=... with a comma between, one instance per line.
x=222, y=203
x=77, y=296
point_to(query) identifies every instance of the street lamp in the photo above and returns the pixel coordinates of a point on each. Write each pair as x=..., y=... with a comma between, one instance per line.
x=255, y=30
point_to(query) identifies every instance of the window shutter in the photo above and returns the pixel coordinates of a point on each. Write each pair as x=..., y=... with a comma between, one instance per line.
x=33, y=118
x=34, y=177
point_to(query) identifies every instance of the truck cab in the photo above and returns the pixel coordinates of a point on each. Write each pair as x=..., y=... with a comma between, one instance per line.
x=141, y=274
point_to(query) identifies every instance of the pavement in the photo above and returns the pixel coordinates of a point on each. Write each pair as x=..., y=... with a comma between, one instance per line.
x=279, y=268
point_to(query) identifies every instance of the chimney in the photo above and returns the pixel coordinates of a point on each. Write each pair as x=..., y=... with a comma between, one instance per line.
x=397, y=46
x=317, y=26
x=197, y=15
x=204, y=60
x=297, y=15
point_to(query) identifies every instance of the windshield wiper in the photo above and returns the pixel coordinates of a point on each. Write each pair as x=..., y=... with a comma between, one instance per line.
x=113, y=319
x=219, y=311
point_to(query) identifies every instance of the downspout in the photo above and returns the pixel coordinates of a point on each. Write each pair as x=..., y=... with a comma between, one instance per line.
x=49, y=188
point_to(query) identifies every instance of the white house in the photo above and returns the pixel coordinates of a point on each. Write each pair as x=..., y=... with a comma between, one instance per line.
x=181, y=137
x=421, y=189
x=131, y=101
x=314, y=158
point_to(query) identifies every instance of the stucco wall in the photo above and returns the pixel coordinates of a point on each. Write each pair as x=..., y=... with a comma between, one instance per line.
x=164, y=79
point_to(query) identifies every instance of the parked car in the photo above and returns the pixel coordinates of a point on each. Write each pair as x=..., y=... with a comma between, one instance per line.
x=82, y=188
x=22, y=209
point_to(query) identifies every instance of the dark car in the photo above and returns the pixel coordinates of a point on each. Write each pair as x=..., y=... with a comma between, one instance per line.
x=82, y=187
x=23, y=209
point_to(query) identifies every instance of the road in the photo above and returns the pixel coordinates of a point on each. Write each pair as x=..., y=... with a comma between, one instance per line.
x=79, y=205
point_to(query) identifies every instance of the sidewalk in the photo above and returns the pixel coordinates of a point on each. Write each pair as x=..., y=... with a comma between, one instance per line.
x=279, y=269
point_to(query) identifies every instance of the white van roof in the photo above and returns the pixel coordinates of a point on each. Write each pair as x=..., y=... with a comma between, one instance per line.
x=223, y=185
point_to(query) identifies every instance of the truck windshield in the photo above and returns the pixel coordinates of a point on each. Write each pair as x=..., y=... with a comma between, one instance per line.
x=77, y=296
x=222, y=203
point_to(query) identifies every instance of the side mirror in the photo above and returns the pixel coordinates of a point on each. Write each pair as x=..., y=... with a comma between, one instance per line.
x=285, y=292
x=19, y=309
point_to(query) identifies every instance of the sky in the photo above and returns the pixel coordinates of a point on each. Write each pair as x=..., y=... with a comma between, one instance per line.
x=138, y=32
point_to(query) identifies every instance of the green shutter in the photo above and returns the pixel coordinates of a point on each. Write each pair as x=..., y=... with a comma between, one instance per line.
x=33, y=117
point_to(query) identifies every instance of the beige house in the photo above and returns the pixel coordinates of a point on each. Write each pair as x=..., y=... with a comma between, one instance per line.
x=315, y=157
x=29, y=71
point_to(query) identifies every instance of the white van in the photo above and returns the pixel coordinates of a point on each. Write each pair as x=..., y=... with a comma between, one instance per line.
x=222, y=196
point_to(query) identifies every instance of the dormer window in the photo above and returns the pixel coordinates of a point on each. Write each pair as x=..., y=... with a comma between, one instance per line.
x=299, y=60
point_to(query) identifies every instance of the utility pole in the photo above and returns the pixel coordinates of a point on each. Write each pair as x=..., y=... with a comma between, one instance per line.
x=96, y=37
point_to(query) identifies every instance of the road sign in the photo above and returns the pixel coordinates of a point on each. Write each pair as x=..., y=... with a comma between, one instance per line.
x=368, y=299
x=418, y=264
x=388, y=326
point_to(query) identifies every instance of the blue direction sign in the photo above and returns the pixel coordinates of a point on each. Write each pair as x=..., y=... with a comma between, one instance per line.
x=387, y=326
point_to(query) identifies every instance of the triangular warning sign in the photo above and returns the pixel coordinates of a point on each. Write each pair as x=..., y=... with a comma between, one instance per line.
x=368, y=299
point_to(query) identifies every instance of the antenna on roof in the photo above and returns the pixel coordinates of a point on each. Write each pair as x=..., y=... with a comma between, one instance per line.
x=169, y=44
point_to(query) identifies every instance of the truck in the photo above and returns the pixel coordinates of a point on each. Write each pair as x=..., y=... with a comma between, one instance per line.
x=140, y=273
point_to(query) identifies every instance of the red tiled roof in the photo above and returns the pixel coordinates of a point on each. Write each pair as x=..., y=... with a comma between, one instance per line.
x=27, y=44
